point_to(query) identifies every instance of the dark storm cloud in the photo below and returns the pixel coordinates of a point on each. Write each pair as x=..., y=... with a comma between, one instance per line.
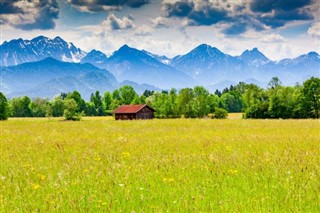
x=265, y=6
x=280, y=18
x=240, y=24
x=7, y=7
x=240, y=17
x=281, y=11
x=178, y=9
x=137, y=3
x=206, y=14
x=29, y=15
x=235, y=29
x=106, y=5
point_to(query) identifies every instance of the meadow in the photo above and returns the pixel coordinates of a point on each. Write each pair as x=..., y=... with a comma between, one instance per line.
x=177, y=165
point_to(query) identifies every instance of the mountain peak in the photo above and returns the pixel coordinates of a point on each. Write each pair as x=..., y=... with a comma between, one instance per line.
x=58, y=38
x=126, y=50
x=313, y=54
x=254, y=56
x=95, y=57
x=94, y=51
x=254, y=50
x=203, y=46
x=38, y=38
x=207, y=51
x=124, y=47
x=50, y=59
x=22, y=51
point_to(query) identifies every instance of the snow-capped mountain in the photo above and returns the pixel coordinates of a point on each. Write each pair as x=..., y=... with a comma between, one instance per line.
x=161, y=58
x=209, y=65
x=96, y=58
x=135, y=65
x=21, y=51
x=254, y=58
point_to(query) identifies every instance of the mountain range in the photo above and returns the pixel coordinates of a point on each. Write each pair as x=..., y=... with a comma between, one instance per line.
x=45, y=67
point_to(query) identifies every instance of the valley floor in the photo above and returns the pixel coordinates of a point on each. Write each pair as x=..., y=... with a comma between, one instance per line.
x=178, y=165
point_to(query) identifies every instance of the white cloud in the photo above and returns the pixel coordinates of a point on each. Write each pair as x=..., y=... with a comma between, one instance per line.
x=143, y=30
x=273, y=38
x=159, y=22
x=114, y=23
x=314, y=30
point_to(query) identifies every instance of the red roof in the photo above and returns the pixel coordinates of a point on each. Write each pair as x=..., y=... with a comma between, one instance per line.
x=130, y=108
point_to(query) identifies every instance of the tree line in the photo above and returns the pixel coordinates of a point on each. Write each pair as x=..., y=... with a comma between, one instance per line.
x=277, y=101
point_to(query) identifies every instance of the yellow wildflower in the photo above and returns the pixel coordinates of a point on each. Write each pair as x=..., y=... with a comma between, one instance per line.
x=125, y=154
x=233, y=171
x=36, y=186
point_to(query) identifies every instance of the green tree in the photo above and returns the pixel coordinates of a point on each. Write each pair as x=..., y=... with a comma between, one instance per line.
x=220, y=113
x=274, y=84
x=114, y=104
x=127, y=94
x=70, y=112
x=97, y=101
x=241, y=87
x=20, y=107
x=213, y=102
x=107, y=100
x=136, y=100
x=116, y=95
x=49, y=110
x=57, y=105
x=4, y=108
x=231, y=101
x=173, y=109
x=184, y=101
x=159, y=101
x=90, y=109
x=255, y=102
x=148, y=93
x=281, y=103
x=143, y=99
x=81, y=104
x=311, y=100
x=201, y=105
x=39, y=107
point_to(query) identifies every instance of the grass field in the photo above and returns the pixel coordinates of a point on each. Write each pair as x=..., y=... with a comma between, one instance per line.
x=183, y=165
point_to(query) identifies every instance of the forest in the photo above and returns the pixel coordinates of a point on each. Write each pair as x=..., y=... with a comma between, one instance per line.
x=276, y=101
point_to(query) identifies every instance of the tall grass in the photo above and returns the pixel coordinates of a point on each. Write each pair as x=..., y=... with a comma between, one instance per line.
x=180, y=165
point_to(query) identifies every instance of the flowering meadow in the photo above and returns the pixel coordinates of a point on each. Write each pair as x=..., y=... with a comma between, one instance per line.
x=176, y=165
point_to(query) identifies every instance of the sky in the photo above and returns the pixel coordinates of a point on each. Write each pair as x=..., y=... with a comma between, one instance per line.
x=278, y=28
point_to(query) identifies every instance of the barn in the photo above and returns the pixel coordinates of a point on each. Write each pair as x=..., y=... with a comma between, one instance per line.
x=130, y=112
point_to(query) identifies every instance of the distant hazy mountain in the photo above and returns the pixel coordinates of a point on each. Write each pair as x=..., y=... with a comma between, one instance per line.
x=49, y=77
x=21, y=51
x=131, y=64
x=140, y=88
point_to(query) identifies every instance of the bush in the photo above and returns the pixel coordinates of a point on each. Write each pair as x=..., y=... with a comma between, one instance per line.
x=70, y=113
x=4, y=110
x=220, y=113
